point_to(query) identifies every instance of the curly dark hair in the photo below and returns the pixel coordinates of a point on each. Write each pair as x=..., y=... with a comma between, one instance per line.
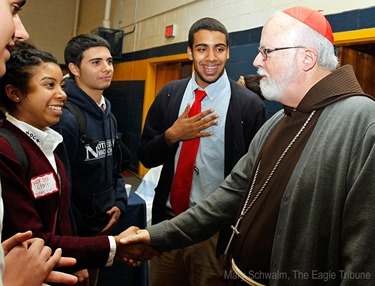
x=24, y=59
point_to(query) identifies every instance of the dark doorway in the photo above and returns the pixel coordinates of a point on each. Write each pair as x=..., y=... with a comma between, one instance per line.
x=126, y=99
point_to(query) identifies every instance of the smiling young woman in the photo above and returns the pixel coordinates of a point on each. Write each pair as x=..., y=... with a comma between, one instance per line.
x=32, y=87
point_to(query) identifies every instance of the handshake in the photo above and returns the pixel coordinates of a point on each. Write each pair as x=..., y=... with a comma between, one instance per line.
x=24, y=254
x=134, y=246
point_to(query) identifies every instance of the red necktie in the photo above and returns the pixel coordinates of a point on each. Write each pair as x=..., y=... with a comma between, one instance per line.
x=181, y=186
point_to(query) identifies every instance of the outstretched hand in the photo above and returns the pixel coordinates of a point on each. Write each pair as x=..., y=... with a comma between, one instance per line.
x=186, y=128
x=134, y=253
x=140, y=236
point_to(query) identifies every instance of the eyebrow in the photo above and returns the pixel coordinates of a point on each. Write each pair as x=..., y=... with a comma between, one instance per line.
x=48, y=78
x=205, y=45
x=100, y=59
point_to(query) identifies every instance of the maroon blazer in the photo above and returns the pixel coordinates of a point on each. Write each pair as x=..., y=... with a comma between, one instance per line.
x=39, y=201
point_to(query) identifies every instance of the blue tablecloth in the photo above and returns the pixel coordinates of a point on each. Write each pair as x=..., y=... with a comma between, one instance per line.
x=120, y=274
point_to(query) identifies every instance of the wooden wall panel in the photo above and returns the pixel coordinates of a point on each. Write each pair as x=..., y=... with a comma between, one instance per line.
x=136, y=70
x=165, y=73
x=363, y=65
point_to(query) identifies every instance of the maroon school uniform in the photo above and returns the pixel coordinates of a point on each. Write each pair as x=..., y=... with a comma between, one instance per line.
x=39, y=202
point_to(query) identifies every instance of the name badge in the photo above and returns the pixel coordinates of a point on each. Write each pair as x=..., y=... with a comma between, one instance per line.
x=43, y=185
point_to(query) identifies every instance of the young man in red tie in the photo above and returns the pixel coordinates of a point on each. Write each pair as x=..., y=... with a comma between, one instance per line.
x=198, y=142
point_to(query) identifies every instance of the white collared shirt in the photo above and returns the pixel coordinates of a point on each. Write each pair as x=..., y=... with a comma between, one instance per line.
x=102, y=103
x=47, y=140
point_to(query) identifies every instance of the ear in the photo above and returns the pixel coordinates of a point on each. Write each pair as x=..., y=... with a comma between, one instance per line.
x=190, y=53
x=309, y=60
x=228, y=54
x=13, y=93
x=73, y=69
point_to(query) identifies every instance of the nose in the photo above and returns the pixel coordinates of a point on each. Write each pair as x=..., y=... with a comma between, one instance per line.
x=107, y=66
x=61, y=94
x=20, y=33
x=211, y=56
x=258, y=61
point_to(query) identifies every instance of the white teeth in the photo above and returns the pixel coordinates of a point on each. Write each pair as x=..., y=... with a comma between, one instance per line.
x=210, y=69
x=55, y=107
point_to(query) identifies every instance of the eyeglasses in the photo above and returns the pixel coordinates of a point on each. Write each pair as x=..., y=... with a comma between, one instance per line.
x=265, y=51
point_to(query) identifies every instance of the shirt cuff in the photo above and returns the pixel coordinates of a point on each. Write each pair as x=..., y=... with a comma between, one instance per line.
x=112, y=251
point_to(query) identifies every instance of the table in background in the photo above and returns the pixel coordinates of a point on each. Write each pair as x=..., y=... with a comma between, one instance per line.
x=121, y=274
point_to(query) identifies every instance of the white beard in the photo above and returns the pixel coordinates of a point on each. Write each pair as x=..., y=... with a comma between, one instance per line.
x=271, y=90
x=274, y=89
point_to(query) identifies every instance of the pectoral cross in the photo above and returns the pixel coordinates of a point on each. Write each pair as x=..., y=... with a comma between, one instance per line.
x=234, y=232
